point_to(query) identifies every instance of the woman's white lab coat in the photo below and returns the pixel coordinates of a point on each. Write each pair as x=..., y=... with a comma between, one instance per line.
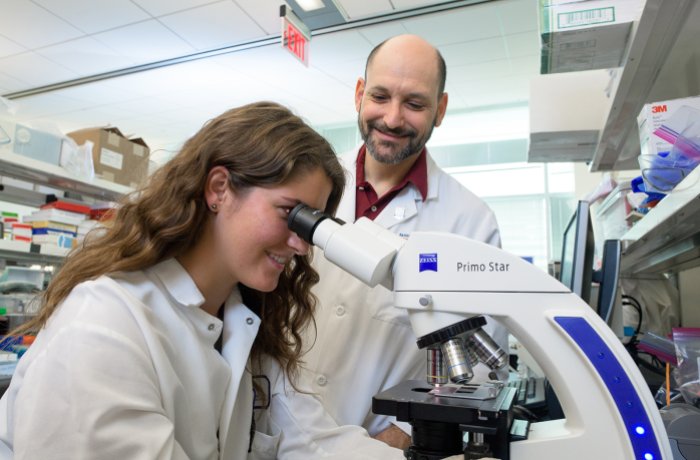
x=126, y=369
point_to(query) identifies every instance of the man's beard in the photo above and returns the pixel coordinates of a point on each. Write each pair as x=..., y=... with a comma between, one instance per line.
x=415, y=144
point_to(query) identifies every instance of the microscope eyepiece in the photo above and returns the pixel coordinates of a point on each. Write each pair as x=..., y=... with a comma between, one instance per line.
x=303, y=220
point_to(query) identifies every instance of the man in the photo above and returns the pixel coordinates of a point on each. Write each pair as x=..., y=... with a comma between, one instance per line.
x=363, y=344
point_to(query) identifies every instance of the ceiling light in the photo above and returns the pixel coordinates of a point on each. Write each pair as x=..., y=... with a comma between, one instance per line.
x=310, y=5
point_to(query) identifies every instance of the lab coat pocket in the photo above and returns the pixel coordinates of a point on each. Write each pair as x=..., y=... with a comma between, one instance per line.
x=266, y=443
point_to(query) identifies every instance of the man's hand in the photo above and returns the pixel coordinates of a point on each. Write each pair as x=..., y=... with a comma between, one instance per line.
x=395, y=437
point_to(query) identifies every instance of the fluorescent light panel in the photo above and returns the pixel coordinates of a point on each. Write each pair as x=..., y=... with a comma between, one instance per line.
x=310, y=5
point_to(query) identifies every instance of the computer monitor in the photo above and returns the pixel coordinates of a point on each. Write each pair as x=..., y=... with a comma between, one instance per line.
x=578, y=248
x=607, y=278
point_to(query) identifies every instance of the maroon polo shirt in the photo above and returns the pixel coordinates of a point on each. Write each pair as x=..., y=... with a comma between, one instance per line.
x=368, y=204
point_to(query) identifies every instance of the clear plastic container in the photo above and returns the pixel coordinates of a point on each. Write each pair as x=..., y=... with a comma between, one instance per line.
x=662, y=173
x=23, y=275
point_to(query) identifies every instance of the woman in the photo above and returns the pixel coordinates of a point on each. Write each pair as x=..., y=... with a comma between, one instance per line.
x=132, y=358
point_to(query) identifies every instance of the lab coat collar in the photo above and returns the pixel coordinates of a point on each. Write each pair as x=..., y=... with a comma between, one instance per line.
x=404, y=206
x=178, y=283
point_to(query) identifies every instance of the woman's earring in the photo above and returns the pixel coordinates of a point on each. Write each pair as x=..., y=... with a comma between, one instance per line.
x=213, y=207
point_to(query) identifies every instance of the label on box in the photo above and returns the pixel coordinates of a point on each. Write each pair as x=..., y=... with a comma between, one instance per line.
x=585, y=17
x=111, y=158
x=662, y=123
x=139, y=150
x=113, y=139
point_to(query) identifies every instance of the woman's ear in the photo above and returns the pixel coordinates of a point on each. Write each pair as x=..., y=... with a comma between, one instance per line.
x=215, y=187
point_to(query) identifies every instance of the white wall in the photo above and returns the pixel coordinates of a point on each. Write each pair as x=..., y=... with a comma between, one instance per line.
x=585, y=180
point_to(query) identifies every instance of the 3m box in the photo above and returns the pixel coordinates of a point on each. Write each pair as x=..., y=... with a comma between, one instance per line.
x=660, y=123
x=585, y=35
x=116, y=158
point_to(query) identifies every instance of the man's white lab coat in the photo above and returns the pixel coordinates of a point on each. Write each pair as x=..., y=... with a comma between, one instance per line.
x=365, y=344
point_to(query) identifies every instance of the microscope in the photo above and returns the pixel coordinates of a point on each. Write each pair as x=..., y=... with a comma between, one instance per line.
x=446, y=282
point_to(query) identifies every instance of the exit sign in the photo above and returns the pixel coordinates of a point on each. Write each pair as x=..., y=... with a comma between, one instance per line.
x=295, y=35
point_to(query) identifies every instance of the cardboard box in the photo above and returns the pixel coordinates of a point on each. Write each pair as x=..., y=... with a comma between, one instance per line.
x=116, y=158
x=586, y=34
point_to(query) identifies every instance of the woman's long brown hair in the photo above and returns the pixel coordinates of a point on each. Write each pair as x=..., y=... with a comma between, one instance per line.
x=262, y=145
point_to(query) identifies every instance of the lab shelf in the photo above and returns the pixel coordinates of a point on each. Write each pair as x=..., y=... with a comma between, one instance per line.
x=667, y=239
x=662, y=63
x=41, y=173
x=20, y=251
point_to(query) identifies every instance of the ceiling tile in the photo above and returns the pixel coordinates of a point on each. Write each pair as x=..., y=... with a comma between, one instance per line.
x=35, y=70
x=212, y=26
x=517, y=15
x=356, y=9
x=8, y=47
x=529, y=65
x=341, y=46
x=406, y=4
x=149, y=105
x=267, y=64
x=89, y=117
x=101, y=92
x=523, y=44
x=485, y=93
x=377, y=33
x=32, y=26
x=161, y=7
x=345, y=72
x=473, y=22
x=97, y=15
x=265, y=13
x=481, y=71
x=144, y=42
x=85, y=56
x=47, y=105
x=473, y=52
x=9, y=84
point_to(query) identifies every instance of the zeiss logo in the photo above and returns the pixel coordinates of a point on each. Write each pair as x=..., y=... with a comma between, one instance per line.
x=427, y=262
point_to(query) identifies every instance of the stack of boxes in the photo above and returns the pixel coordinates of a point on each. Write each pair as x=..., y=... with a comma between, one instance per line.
x=56, y=223
x=585, y=34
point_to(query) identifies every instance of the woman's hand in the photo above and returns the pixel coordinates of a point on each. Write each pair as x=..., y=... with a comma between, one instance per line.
x=395, y=437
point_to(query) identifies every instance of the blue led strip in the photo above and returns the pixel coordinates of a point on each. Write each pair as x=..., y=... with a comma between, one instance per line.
x=639, y=428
